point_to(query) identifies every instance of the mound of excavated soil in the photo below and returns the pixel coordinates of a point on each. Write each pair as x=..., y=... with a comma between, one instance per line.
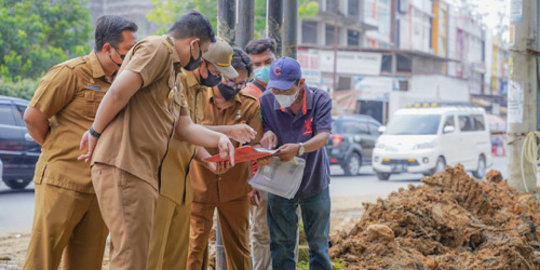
x=451, y=222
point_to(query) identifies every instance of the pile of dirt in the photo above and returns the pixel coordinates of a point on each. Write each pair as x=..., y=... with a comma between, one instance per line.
x=451, y=222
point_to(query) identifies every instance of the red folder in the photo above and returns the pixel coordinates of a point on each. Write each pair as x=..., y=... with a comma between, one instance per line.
x=244, y=153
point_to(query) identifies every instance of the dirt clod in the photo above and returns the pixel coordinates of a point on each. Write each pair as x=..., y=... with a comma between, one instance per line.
x=451, y=222
x=379, y=232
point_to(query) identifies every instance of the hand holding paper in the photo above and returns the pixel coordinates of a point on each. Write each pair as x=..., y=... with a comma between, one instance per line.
x=245, y=153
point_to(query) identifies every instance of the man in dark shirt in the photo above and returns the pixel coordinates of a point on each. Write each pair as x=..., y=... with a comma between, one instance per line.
x=297, y=118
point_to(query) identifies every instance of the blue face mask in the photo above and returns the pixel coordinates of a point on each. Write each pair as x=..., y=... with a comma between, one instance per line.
x=262, y=74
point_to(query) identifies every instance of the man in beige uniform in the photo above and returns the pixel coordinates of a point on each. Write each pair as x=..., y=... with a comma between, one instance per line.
x=225, y=191
x=136, y=120
x=67, y=216
x=170, y=234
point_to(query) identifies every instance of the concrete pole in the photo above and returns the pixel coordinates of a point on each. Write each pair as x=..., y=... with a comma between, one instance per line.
x=226, y=19
x=522, y=92
x=226, y=22
x=336, y=42
x=290, y=25
x=274, y=20
x=244, y=25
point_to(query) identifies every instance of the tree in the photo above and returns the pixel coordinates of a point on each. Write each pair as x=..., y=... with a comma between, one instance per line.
x=36, y=34
x=167, y=11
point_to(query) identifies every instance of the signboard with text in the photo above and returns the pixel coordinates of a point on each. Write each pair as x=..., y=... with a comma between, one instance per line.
x=357, y=63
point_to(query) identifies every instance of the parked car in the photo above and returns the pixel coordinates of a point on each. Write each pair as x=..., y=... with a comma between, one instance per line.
x=18, y=151
x=352, y=142
x=425, y=140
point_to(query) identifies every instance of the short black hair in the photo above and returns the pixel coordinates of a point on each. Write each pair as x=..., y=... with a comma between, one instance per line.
x=258, y=46
x=109, y=29
x=193, y=24
x=241, y=60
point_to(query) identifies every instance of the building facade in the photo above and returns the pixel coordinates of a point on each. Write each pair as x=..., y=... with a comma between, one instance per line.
x=389, y=53
x=416, y=51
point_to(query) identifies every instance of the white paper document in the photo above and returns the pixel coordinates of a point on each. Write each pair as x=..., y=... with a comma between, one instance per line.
x=280, y=178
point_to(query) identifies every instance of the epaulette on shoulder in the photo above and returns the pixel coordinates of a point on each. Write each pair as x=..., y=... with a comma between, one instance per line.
x=243, y=93
x=75, y=62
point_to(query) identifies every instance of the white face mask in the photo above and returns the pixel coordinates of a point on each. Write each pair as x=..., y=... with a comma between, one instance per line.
x=286, y=101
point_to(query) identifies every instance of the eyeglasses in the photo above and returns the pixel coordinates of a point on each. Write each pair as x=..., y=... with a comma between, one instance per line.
x=235, y=85
x=122, y=56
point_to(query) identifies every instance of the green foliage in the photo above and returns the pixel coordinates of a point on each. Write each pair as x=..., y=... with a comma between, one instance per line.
x=37, y=34
x=303, y=264
x=167, y=11
x=307, y=8
x=23, y=88
x=338, y=266
x=260, y=19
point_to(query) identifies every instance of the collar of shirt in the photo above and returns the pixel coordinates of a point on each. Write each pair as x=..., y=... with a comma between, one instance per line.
x=169, y=41
x=307, y=102
x=97, y=69
x=190, y=78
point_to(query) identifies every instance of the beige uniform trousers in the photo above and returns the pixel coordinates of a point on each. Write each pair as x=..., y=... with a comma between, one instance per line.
x=170, y=236
x=65, y=221
x=233, y=219
x=260, y=236
x=127, y=204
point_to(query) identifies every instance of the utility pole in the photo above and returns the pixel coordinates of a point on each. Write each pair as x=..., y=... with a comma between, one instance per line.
x=522, y=92
x=274, y=20
x=225, y=22
x=290, y=25
x=244, y=26
x=226, y=19
x=336, y=41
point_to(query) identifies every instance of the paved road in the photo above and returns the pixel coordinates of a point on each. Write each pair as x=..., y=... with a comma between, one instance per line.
x=16, y=208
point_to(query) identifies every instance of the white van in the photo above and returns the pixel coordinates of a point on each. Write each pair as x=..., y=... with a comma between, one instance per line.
x=425, y=140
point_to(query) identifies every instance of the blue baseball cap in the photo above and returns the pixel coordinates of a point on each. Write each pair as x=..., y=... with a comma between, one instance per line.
x=284, y=72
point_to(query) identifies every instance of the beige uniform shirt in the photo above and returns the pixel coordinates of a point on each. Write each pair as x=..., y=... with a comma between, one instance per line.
x=69, y=95
x=209, y=187
x=136, y=140
x=175, y=184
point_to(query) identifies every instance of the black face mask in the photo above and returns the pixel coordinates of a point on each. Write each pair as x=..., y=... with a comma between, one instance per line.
x=211, y=81
x=193, y=63
x=122, y=56
x=118, y=64
x=227, y=92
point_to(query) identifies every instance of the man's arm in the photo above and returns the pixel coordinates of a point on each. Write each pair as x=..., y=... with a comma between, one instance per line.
x=37, y=124
x=290, y=150
x=119, y=94
x=55, y=91
x=192, y=133
x=241, y=133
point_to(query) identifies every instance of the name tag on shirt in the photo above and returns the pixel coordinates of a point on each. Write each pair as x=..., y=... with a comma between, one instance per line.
x=94, y=87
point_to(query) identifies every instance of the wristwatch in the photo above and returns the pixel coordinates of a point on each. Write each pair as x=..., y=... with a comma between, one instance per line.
x=94, y=133
x=301, y=149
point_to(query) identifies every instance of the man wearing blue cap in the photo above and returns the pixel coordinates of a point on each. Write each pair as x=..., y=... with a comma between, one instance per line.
x=297, y=118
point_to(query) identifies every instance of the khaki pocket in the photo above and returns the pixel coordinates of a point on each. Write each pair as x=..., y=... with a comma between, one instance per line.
x=89, y=102
x=39, y=173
